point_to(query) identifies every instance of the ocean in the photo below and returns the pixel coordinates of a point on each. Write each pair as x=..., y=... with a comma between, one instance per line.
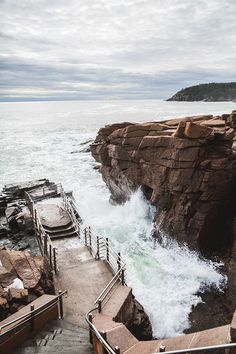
x=51, y=140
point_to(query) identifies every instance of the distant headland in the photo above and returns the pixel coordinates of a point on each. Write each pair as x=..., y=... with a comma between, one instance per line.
x=212, y=92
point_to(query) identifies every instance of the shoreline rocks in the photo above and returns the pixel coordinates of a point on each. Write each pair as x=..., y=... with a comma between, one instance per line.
x=188, y=175
x=23, y=278
x=187, y=169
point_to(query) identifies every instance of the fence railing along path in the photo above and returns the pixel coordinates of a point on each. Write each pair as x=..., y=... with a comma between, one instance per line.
x=100, y=248
x=45, y=244
x=15, y=332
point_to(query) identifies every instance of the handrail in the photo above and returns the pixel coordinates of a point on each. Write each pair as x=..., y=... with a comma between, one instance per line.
x=200, y=349
x=69, y=208
x=27, y=318
x=100, y=297
x=106, y=345
x=44, y=239
x=34, y=311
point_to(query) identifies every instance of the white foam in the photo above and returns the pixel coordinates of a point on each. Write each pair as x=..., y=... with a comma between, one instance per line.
x=165, y=279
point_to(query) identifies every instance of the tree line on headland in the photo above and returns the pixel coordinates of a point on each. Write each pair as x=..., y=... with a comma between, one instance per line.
x=207, y=92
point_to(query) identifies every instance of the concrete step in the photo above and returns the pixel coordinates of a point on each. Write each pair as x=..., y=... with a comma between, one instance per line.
x=56, y=231
x=61, y=350
x=68, y=336
x=63, y=324
x=62, y=339
x=116, y=301
x=120, y=336
x=59, y=227
x=64, y=235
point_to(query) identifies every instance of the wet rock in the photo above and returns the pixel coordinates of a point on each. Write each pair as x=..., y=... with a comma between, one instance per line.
x=17, y=190
x=137, y=321
x=3, y=231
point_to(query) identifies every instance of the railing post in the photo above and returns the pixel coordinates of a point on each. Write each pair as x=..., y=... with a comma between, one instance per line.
x=45, y=245
x=50, y=256
x=60, y=304
x=78, y=225
x=98, y=255
x=117, y=350
x=118, y=260
x=104, y=336
x=32, y=318
x=85, y=237
x=90, y=238
x=55, y=260
x=99, y=306
x=90, y=317
x=123, y=277
x=107, y=249
x=162, y=348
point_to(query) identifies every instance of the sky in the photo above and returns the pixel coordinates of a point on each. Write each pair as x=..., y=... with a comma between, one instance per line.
x=114, y=49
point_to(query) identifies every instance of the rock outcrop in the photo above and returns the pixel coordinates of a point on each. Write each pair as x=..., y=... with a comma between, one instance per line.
x=23, y=278
x=187, y=169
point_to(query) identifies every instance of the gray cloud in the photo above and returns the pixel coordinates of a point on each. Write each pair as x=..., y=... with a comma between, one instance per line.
x=114, y=48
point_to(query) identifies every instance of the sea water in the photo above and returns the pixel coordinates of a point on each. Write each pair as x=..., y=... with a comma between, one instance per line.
x=51, y=140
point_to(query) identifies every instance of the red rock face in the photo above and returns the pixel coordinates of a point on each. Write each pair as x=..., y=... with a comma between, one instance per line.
x=186, y=167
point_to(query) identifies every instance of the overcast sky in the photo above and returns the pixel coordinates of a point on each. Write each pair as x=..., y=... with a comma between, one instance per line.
x=93, y=49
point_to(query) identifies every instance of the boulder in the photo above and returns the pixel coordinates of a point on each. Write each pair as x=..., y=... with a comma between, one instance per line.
x=33, y=271
x=6, y=277
x=18, y=295
x=196, y=131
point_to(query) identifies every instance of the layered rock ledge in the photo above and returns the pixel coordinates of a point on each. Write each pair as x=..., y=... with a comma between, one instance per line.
x=187, y=169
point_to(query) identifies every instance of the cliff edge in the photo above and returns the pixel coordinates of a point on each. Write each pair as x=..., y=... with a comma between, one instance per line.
x=187, y=169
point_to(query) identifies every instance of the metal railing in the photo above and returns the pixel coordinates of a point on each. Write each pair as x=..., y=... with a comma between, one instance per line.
x=210, y=348
x=45, y=244
x=100, y=337
x=32, y=314
x=70, y=208
x=100, y=249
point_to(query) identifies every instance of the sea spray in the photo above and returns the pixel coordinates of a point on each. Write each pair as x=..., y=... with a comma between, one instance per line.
x=42, y=140
x=166, y=278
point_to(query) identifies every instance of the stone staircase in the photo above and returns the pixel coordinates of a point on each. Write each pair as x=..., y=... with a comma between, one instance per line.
x=61, y=231
x=58, y=337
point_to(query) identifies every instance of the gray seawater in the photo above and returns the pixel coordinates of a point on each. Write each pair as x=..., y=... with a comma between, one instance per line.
x=49, y=139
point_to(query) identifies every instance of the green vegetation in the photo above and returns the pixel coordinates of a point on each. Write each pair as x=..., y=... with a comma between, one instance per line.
x=207, y=92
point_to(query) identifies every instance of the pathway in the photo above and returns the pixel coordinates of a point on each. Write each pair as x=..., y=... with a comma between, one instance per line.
x=83, y=277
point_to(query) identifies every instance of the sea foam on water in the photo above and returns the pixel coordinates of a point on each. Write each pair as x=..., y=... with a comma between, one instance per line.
x=42, y=140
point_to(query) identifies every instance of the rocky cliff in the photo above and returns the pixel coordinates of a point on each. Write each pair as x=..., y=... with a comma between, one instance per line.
x=187, y=169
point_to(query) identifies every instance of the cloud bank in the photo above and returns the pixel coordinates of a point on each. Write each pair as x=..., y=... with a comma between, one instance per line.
x=87, y=49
